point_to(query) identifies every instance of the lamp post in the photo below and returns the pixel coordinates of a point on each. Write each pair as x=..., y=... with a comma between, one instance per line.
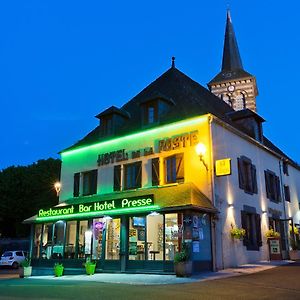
x=201, y=150
x=57, y=186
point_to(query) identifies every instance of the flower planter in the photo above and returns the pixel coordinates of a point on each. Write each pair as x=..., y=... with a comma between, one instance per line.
x=25, y=271
x=294, y=254
x=90, y=269
x=58, y=271
x=183, y=268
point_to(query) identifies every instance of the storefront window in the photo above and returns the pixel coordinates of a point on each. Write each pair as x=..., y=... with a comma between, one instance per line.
x=37, y=240
x=112, y=240
x=70, y=239
x=137, y=238
x=98, y=229
x=83, y=228
x=155, y=237
x=58, y=239
x=171, y=236
x=47, y=241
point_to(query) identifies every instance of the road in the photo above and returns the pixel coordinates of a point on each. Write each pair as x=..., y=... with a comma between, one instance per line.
x=278, y=283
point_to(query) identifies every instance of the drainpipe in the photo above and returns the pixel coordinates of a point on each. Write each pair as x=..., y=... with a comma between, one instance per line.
x=212, y=184
x=283, y=200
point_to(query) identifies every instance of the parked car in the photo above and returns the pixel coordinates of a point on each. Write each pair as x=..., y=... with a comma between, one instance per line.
x=13, y=258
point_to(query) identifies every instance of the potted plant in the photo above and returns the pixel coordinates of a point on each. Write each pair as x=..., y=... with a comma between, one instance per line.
x=294, y=252
x=58, y=269
x=90, y=266
x=25, y=269
x=271, y=233
x=237, y=233
x=182, y=264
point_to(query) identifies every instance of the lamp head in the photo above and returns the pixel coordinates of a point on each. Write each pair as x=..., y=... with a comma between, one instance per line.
x=200, y=149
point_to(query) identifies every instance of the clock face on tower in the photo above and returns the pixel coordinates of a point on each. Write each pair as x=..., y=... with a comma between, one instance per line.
x=231, y=88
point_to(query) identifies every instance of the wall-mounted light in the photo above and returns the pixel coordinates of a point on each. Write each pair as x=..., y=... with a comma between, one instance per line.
x=230, y=205
x=201, y=150
x=57, y=186
x=264, y=211
x=154, y=213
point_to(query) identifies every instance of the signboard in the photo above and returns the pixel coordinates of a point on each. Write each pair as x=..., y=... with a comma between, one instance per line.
x=223, y=167
x=96, y=208
x=274, y=247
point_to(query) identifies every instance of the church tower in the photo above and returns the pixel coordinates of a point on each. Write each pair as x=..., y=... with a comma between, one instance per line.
x=233, y=84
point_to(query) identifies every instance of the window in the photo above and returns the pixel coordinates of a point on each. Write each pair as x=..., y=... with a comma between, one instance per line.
x=172, y=240
x=133, y=175
x=285, y=168
x=247, y=175
x=155, y=171
x=112, y=242
x=174, y=168
x=89, y=182
x=37, y=240
x=76, y=185
x=272, y=186
x=107, y=125
x=70, y=241
x=251, y=223
x=150, y=112
x=287, y=195
x=117, y=178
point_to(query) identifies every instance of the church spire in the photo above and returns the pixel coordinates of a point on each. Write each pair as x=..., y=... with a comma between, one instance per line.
x=231, y=54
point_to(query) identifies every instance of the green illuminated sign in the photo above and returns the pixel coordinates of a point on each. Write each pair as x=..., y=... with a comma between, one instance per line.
x=123, y=205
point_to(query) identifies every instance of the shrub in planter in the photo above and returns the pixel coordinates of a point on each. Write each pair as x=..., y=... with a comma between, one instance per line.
x=182, y=264
x=90, y=267
x=25, y=269
x=58, y=269
x=271, y=233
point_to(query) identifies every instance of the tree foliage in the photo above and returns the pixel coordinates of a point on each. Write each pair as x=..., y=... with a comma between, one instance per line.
x=23, y=191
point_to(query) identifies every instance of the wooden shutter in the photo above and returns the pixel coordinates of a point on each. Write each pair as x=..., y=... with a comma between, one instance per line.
x=246, y=240
x=254, y=179
x=155, y=171
x=93, y=182
x=277, y=186
x=117, y=178
x=258, y=230
x=76, y=185
x=268, y=184
x=241, y=173
x=287, y=194
x=179, y=168
x=138, y=179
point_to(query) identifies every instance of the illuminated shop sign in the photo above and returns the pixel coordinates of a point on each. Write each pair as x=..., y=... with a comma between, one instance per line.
x=166, y=144
x=223, y=167
x=123, y=205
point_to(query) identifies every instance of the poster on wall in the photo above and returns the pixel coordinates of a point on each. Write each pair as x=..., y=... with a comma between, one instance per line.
x=195, y=221
x=196, y=247
x=201, y=234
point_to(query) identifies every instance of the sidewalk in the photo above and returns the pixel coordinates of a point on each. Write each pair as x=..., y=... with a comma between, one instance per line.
x=149, y=279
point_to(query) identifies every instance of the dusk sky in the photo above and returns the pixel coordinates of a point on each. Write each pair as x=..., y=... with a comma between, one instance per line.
x=63, y=62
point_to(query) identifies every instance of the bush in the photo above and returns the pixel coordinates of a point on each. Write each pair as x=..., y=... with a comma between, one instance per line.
x=25, y=263
x=272, y=233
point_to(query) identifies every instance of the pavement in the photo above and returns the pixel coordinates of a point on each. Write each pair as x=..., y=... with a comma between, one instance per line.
x=154, y=279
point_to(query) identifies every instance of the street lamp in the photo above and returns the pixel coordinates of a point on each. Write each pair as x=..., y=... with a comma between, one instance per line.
x=57, y=186
x=201, y=150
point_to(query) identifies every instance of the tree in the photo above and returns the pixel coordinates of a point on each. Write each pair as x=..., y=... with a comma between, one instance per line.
x=23, y=191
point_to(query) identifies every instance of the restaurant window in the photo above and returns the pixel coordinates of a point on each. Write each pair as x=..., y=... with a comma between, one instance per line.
x=98, y=230
x=58, y=239
x=83, y=246
x=76, y=186
x=70, y=239
x=155, y=236
x=287, y=194
x=47, y=241
x=272, y=186
x=251, y=223
x=112, y=240
x=133, y=175
x=155, y=171
x=171, y=236
x=137, y=238
x=247, y=175
x=37, y=240
x=90, y=182
x=174, y=168
x=117, y=178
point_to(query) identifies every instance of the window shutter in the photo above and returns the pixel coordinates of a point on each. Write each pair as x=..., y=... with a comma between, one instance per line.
x=246, y=241
x=287, y=194
x=241, y=174
x=117, y=178
x=268, y=184
x=155, y=171
x=93, y=182
x=254, y=179
x=179, y=168
x=258, y=230
x=138, y=179
x=76, y=185
x=278, y=194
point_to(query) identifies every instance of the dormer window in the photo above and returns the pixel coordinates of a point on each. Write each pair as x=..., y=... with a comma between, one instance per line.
x=151, y=113
x=107, y=125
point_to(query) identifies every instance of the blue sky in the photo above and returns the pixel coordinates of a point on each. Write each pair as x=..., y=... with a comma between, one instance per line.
x=62, y=62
